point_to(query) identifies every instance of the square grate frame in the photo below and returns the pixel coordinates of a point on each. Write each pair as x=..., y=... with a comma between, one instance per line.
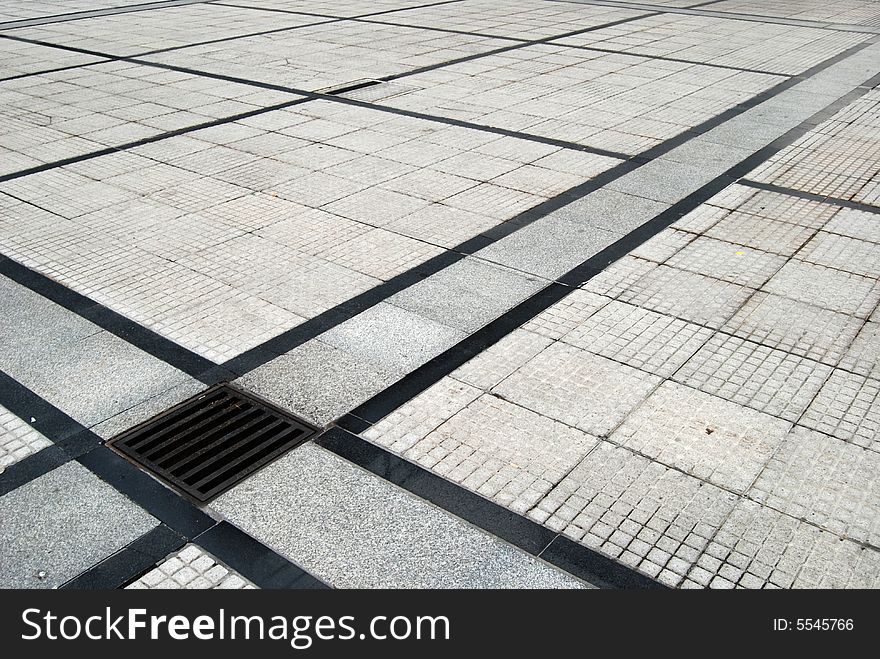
x=212, y=441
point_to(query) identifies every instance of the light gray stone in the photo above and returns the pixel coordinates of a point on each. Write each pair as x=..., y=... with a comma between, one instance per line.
x=61, y=524
x=95, y=377
x=549, y=247
x=468, y=294
x=316, y=381
x=393, y=339
x=355, y=530
x=31, y=323
x=665, y=180
x=610, y=210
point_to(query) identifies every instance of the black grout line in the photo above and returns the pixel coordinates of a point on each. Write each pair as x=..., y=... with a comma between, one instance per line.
x=176, y=512
x=297, y=336
x=181, y=521
x=524, y=44
x=485, y=35
x=312, y=96
x=149, y=140
x=695, y=10
x=290, y=339
x=70, y=438
x=523, y=533
x=105, y=318
x=484, y=128
x=179, y=517
x=423, y=377
x=113, y=471
x=344, y=18
x=130, y=562
x=41, y=415
x=306, y=331
x=264, y=567
x=108, y=465
x=662, y=58
x=703, y=4
x=330, y=19
x=825, y=199
x=236, y=37
x=105, y=60
x=96, y=13
x=387, y=465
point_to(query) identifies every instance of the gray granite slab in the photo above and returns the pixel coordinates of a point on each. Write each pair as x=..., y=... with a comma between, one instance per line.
x=611, y=210
x=469, y=294
x=31, y=322
x=356, y=530
x=665, y=180
x=62, y=523
x=549, y=247
x=393, y=339
x=317, y=381
x=95, y=377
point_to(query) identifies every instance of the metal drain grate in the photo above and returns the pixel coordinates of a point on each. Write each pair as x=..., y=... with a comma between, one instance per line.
x=210, y=442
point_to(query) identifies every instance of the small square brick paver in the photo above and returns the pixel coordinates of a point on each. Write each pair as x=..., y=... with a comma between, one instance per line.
x=825, y=481
x=761, y=233
x=686, y=295
x=796, y=327
x=650, y=341
x=847, y=407
x=704, y=409
x=843, y=253
x=578, y=388
x=785, y=208
x=619, y=276
x=707, y=437
x=17, y=439
x=768, y=380
x=663, y=246
x=705, y=216
x=760, y=547
x=645, y=515
x=192, y=568
x=500, y=450
x=566, y=315
x=836, y=290
x=863, y=355
x=731, y=262
x=855, y=224
x=405, y=426
x=500, y=360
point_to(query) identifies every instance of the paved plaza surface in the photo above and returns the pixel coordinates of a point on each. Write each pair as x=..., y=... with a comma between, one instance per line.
x=576, y=293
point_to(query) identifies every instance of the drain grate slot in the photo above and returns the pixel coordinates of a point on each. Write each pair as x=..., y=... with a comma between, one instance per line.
x=208, y=443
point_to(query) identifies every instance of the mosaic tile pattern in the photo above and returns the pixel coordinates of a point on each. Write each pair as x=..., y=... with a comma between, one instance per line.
x=824, y=161
x=17, y=439
x=707, y=437
x=755, y=375
x=273, y=246
x=655, y=519
x=758, y=547
x=823, y=480
x=191, y=569
x=703, y=409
